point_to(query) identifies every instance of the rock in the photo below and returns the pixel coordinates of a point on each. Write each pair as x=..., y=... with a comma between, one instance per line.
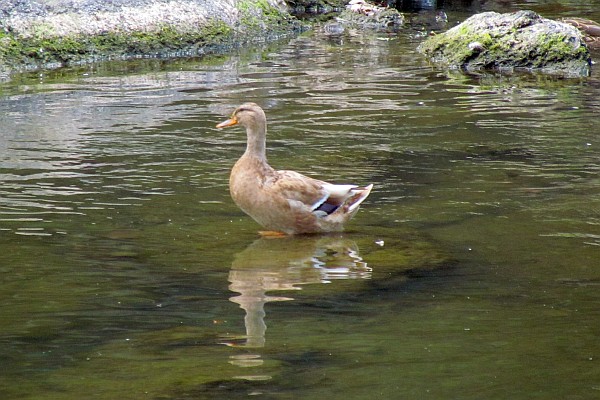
x=37, y=33
x=316, y=6
x=333, y=28
x=363, y=15
x=506, y=42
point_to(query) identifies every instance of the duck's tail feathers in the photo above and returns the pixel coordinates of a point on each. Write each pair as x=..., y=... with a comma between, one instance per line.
x=359, y=194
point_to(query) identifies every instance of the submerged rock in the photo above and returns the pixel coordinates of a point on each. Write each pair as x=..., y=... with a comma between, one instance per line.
x=505, y=42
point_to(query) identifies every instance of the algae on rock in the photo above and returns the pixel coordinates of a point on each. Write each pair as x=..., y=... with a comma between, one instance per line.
x=507, y=42
x=69, y=34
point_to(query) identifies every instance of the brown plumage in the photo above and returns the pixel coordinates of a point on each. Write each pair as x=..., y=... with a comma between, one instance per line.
x=588, y=28
x=285, y=201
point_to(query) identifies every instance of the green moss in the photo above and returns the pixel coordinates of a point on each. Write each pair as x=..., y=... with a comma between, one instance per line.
x=558, y=46
x=259, y=15
x=473, y=46
x=454, y=45
x=162, y=39
x=43, y=48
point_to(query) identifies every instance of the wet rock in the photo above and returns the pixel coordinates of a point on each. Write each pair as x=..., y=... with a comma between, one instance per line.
x=317, y=6
x=363, y=15
x=39, y=33
x=333, y=28
x=517, y=41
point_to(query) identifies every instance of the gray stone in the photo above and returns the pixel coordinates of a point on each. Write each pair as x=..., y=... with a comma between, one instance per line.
x=364, y=15
x=45, y=34
x=506, y=42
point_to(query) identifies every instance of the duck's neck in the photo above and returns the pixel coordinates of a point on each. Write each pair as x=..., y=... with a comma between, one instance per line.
x=257, y=138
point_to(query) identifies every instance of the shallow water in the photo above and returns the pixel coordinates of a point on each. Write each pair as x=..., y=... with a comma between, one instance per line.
x=471, y=271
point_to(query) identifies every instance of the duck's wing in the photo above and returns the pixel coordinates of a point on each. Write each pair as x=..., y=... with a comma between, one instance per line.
x=316, y=196
x=298, y=190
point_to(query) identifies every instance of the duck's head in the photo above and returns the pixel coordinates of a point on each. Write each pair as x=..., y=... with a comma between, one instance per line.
x=248, y=115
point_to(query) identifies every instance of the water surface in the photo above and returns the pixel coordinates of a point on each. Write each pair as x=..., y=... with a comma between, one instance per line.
x=470, y=272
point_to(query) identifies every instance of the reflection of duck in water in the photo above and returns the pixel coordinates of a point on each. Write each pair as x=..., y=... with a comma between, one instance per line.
x=285, y=201
x=268, y=265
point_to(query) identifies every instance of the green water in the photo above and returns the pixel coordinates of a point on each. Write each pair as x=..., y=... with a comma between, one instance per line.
x=470, y=272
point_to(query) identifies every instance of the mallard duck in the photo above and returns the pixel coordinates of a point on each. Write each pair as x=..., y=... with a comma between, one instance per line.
x=285, y=201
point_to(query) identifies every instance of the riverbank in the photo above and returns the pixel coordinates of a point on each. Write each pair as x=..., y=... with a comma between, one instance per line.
x=45, y=34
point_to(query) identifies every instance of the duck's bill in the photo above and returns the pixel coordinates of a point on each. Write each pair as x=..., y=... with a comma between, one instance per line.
x=229, y=122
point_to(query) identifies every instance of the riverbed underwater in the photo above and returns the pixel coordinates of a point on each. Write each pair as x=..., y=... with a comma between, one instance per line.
x=471, y=272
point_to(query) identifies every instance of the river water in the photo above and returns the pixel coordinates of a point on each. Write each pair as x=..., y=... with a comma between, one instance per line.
x=470, y=272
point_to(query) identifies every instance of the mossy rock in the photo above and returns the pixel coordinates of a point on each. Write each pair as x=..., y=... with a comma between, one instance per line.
x=317, y=4
x=506, y=42
x=386, y=19
x=177, y=28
